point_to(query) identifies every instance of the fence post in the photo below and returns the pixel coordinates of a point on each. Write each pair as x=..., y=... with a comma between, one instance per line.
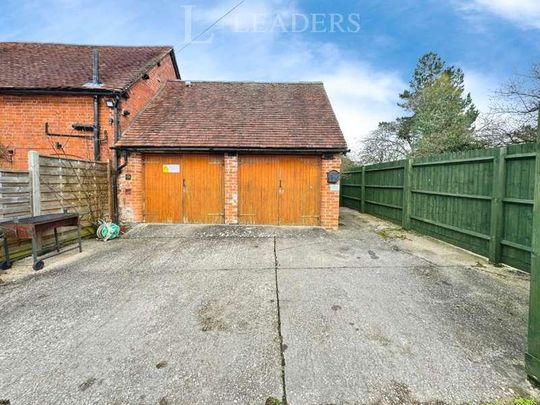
x=532, y=359
x=363, y=191
x=110, y=189
x=407, y=193
x=33, y=168
x=497, y=206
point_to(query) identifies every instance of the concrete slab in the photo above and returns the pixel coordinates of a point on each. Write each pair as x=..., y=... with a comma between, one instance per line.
x=189, y=314
x=335, y=252
x=221, y=231
x=401, y=335
x=133, y=324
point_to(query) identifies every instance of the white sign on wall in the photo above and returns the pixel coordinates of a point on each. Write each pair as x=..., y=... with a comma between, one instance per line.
x=171, y=168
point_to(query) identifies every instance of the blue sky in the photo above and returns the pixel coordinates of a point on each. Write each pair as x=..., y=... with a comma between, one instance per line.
x=269, y=40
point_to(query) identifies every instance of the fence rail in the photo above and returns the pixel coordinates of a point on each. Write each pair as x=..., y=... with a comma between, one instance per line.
x=480, y=200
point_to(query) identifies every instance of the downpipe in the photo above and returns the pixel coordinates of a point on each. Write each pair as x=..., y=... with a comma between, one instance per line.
x=116, y=158
x=97, y=145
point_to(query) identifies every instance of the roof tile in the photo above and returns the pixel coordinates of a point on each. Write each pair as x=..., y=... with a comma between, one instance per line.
x=41, y=66
x=237, y=115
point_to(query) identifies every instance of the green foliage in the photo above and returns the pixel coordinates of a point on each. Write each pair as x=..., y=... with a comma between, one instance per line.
x=524, y=401
x=442, y=116
x=443, y=119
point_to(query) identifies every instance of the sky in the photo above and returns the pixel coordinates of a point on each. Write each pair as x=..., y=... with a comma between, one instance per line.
x=364, y=51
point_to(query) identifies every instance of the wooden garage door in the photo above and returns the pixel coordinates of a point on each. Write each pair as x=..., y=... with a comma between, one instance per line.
x=279, y=190
x=184, y=188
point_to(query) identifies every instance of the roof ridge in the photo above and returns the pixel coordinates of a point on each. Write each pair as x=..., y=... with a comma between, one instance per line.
x=85, y=45
x=245, y=82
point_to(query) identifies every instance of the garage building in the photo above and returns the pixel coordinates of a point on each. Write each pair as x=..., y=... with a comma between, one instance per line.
x=233, y=153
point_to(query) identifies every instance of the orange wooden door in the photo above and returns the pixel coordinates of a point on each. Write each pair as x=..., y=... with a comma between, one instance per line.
x=184, y=188
x=258, y=198
x=163, y=188
x=279, y=190
x=299, y=202
x=203, y=194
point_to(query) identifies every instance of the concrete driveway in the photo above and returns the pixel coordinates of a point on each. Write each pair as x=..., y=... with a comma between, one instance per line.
x=215, y=314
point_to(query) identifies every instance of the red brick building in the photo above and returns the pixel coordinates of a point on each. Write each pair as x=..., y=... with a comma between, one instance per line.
x=181, y=152
x=234, y=153
x=49, y=104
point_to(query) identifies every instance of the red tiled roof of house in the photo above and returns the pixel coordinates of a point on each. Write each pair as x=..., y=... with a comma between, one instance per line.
x=237, y=115
x=42, y=66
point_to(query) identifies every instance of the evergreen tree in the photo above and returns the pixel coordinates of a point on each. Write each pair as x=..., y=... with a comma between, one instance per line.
x=441, y=116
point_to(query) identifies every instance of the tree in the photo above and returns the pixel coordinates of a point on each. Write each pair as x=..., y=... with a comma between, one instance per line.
x=496, y=130
x=441, y=114
x=384, y=144
x=512, y=117
x=348, y=163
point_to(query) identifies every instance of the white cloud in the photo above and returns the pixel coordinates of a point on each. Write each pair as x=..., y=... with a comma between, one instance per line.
x=362, y=97
x=361, y=94
x=525, y=13
x=482, y=87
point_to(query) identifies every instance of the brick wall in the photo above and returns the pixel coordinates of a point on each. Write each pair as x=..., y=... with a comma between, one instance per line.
x=231, y=188
x=131, y=190
x=22, y=126
x=329, y=197
x=23, y=118
x=144, y=90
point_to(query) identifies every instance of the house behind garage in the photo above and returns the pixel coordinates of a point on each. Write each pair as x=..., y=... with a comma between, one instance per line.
x=49, y=102
x=181, y=152
x=233, y=153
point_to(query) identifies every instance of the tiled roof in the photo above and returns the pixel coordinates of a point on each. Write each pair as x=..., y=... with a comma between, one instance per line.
x=40, y=66
x=237, y=115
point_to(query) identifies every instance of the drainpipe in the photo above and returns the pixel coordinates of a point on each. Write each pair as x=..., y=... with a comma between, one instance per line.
x=97, y=153
x=96, y=82
x=116, y=157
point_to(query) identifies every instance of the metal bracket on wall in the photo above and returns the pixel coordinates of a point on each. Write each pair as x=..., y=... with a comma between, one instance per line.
x=65, y=135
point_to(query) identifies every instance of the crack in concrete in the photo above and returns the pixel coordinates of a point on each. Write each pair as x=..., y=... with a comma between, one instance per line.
x=281, y=346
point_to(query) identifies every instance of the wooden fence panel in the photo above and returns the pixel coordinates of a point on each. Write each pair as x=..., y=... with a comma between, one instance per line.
x=15, y=201
x=480, y=200
x=379, y=188
x=384, y=190
x=518, y=206
x=451, y=198
x=74, y=185
x=14, y=194
x=52, y=185
x=351, y=190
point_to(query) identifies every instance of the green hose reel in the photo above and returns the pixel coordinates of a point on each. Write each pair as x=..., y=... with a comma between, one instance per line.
x=107, y=231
